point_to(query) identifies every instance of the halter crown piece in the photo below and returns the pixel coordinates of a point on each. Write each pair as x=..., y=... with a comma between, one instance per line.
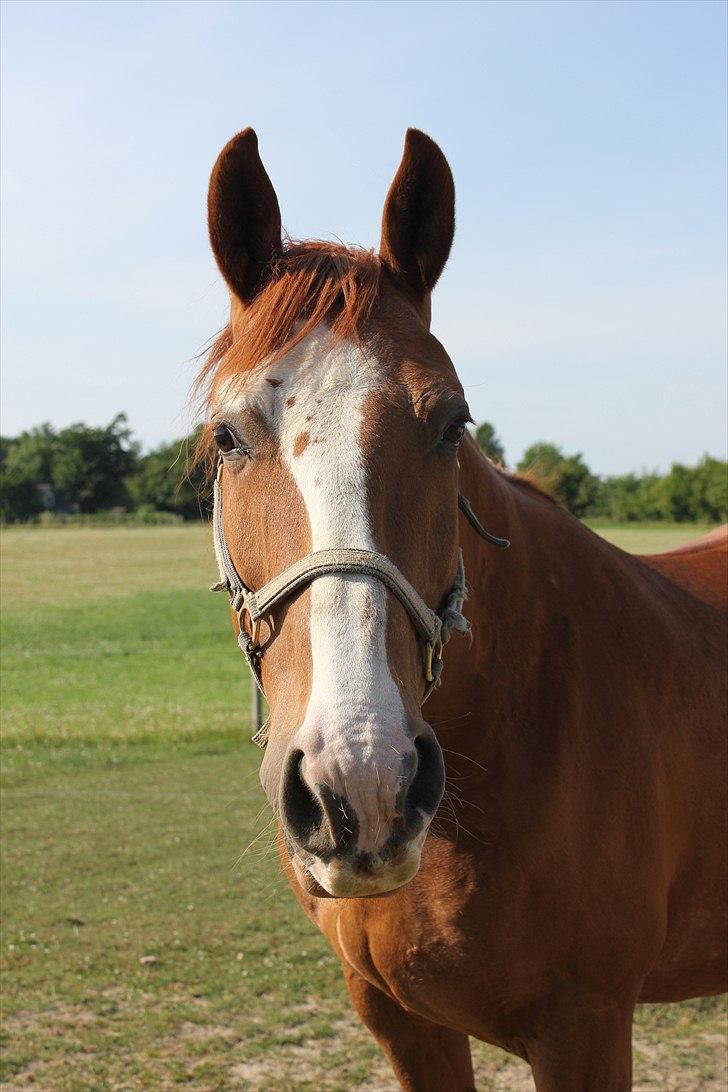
x=433, y=627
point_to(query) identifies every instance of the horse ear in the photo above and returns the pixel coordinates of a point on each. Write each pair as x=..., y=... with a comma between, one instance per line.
x=418, y=223
x=243, y=216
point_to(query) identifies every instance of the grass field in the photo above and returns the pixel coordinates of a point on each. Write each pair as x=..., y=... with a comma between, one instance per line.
x=143, y=947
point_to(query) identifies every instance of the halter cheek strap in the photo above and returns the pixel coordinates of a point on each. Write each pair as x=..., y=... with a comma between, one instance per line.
x=432, y=627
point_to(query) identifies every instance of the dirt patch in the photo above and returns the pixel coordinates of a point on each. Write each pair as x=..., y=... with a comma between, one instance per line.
x=201, y=1033
x=316, y=1052
x=305, y=1063
x=60, y=1018
x=695, y=1064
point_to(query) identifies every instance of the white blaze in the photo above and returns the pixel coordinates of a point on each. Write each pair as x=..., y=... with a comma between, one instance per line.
x=354, y=733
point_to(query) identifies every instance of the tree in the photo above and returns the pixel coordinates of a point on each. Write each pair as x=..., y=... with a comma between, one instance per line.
x=566, y=476
x=90, y=464
x=627, y=498
x=161, y=480
x=25, y=467
x=489, y=442
x=679, y=488
x=711, y=490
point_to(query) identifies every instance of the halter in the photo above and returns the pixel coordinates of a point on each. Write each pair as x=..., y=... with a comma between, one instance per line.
x=434, y=628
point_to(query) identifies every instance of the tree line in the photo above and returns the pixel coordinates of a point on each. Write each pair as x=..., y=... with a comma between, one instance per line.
x=686, y=494
x=84, y=471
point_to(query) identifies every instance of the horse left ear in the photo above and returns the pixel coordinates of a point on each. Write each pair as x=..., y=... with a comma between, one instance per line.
x=418, y=223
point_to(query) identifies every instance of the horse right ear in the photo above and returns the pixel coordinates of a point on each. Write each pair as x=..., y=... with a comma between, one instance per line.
x=418, y=223
x=243, y=216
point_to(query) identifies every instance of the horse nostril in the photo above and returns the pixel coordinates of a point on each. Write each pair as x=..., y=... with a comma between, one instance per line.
x=428, y=784
x=302, y=812
x=321, y=821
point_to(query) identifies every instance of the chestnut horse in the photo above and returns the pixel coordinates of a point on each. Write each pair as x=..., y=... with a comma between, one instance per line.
x=576, y=866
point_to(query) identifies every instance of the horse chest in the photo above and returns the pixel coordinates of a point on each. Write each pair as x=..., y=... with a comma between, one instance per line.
x=407, y=957
x=412, y=945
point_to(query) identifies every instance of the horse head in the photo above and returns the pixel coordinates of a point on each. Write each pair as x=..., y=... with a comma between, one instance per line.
x=335, y=418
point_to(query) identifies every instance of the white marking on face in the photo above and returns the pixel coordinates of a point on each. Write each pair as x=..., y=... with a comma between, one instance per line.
x=354, y=733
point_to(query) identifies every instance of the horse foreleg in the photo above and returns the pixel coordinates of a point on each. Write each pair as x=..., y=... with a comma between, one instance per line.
x=582, y=1046
x=425, y=1057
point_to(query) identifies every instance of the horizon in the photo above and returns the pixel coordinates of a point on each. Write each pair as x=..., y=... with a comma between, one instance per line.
x=584, y=300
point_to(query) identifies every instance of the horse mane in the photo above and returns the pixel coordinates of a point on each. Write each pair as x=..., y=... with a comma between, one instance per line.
x=527, y=479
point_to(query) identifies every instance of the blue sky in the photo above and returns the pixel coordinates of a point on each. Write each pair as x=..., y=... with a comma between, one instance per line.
x=584, y=301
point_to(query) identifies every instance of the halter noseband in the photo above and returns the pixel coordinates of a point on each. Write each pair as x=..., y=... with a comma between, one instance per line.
x=434, y=628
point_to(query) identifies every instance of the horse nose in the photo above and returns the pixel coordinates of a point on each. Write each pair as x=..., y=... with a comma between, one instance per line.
x=366, y=808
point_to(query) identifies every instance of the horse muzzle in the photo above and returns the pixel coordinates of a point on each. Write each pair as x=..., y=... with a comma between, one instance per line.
x=355, y=819
x=357, y=879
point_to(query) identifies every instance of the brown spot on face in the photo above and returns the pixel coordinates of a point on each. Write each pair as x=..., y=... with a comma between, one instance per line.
x=300, y=444
x=308, y=417
x=274, y=382
x=291, y=401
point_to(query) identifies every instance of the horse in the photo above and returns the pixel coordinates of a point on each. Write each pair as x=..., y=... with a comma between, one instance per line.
x=575, y=864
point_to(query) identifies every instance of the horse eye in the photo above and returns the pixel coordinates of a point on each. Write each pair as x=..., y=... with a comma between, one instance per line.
x=224, y=438
x=454, y=433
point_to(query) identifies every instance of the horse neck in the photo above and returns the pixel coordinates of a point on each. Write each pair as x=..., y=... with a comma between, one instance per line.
x=502, y=582
x=536, y=609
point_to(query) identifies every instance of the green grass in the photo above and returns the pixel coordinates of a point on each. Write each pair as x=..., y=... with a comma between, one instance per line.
x=648, y=538
x=142, y=948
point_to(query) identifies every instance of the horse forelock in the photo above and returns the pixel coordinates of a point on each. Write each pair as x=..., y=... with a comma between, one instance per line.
x=310, y=284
